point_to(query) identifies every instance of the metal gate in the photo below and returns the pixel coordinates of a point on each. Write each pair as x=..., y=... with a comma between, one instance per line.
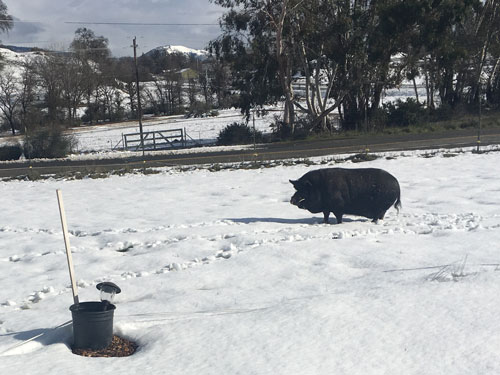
x=155, y=140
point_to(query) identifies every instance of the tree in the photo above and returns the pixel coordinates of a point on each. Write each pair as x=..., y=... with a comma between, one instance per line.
x=47, y=68
x=88, y=46
x=125, y=74
x=93, y=55
x=157, y=61
x=62, y=79
x=91, y=83
x=10, y=99
x=486, y=32
x=191, y=91
x=173, y=87
x=219, y=84
x=203, y=81
x=257, y=42
x=493, y=70
x=370, y=34
x=319, y=58
x=6, y=22
x=73, y=78
x=343, y=48
x=5, y=19
x=27, y=95
x=444, y=41
x=107, y=96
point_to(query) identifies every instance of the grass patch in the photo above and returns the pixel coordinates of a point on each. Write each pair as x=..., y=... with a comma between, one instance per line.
x=359, y=158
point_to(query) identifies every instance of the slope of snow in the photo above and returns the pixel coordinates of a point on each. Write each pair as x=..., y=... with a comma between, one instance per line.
x=13, y=61
x=169, y=49
x=221, y=275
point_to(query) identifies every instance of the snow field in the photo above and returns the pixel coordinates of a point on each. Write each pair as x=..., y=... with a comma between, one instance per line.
x=220, y=274
x=202, y=130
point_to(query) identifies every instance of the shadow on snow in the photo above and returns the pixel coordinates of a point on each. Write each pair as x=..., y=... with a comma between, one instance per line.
x=311, y=220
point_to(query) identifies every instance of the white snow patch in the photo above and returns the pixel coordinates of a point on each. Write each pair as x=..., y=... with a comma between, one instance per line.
x=221, y=275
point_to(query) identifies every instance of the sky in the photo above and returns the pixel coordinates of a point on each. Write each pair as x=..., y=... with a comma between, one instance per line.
x=52, y=23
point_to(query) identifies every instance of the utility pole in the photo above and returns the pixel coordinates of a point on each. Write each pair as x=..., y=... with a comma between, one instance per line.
x=139, y=107
x=479, y=115
x=254, y=145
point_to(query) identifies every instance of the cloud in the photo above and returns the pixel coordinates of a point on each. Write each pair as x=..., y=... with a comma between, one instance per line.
x=48, y=21
x=23, y=32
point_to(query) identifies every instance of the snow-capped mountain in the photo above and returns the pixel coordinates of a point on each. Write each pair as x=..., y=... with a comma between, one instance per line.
x=169, y=49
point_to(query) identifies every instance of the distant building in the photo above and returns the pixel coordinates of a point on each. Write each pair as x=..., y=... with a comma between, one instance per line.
x=188, y=74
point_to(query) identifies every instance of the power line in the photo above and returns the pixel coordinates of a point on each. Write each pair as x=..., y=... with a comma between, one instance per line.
x=19, y=21
x=115, y=23
x=140, y=23
x=35, y=41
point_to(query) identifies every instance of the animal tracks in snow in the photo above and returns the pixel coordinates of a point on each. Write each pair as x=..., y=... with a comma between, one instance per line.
x=426, y=224
x=179, y=247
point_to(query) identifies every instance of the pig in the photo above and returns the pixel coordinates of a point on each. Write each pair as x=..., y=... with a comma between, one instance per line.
x=367, y=192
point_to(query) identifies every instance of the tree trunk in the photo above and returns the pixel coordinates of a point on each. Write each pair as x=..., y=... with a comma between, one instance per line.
x=284, y=68
x=415, y=88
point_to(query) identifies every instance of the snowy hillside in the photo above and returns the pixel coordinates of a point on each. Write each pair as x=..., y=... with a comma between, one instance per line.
x=15, y=58
x=13, y=61
x=221, y=275
x=168, y=49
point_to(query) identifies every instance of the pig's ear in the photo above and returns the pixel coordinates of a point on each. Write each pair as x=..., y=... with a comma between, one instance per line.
x=294, y=183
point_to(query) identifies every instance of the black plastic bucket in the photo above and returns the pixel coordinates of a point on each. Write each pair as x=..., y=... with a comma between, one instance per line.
x=92, y=325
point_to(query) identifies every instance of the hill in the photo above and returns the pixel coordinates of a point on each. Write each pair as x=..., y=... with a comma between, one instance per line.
x=18, y=49
x=170, y=50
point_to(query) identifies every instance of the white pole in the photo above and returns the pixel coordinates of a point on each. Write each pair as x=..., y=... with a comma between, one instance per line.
x=68, y=247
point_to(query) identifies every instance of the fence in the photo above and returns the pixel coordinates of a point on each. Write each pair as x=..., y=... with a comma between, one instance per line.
x=155, y=140
x=299, y=89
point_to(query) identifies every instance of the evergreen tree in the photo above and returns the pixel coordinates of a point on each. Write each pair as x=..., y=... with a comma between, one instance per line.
x=5, y=19
x=88, y=46
x=6, y=22
x=257, y=42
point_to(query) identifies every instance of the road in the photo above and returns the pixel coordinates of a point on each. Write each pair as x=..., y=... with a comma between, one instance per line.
x=273, y=151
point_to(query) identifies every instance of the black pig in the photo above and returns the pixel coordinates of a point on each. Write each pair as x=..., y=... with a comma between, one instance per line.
x=367, y=192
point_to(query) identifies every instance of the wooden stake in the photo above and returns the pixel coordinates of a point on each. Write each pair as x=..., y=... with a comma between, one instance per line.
x=68, y=247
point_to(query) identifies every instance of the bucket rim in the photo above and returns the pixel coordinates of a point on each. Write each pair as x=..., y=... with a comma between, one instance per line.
x=91, y=306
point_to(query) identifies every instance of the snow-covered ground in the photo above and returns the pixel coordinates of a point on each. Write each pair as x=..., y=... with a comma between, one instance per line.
x=14, y=61
x=104, y=138
x=221, y=275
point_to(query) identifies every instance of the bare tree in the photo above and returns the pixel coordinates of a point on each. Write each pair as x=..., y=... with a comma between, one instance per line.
x=27, y=94
x=107, y=94
x=172, y=88
x=48, y=68
x=123, y=71
x=73, y=86
x=203, y=81
x=161, y=94
x=192, y=91
x=320, y=77
x=10, y=99
x=151, y=99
